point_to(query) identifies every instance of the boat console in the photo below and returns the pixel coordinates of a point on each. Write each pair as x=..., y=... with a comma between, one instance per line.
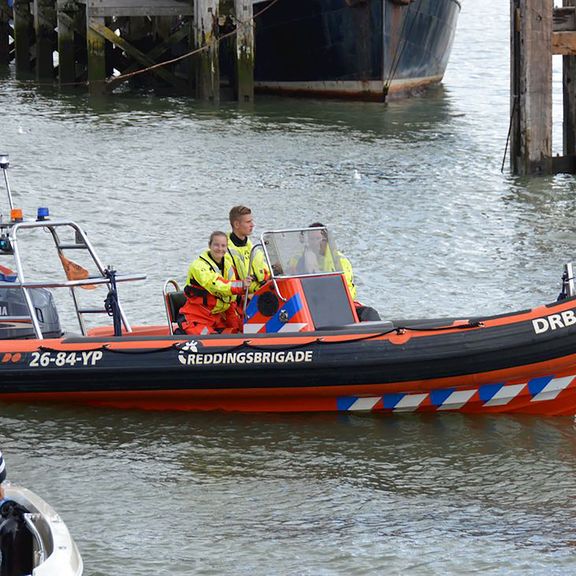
x=307, y=290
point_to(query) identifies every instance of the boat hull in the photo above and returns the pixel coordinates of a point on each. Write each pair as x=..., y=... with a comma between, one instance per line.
x=55, y=552
x=366, y=50
x=522, y=362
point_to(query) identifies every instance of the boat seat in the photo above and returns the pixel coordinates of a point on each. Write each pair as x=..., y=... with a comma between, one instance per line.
x=175, y=301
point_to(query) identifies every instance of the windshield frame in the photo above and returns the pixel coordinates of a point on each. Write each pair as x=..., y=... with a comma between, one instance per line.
x=274, y=259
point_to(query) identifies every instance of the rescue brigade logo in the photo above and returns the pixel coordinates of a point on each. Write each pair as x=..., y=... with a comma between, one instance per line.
x=554, y=321
x=189, y=355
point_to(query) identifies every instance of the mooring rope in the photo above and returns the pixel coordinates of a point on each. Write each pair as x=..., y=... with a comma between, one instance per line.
x=399, y=330
x=512, y=115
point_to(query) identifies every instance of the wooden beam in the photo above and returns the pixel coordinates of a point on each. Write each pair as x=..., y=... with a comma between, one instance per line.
x=564, y=43
x=140, y=8
x=107, y=34
x=564, y=19
x=153, y=55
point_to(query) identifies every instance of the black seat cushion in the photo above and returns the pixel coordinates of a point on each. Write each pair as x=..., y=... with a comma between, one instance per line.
x=175, y=301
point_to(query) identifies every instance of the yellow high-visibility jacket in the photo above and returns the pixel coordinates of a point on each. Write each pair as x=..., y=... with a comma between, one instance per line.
x=325, y=263
x=328, y=264
x=206, y=279
x=241, y=258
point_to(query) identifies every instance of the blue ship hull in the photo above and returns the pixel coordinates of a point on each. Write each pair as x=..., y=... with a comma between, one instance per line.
x=360, y=49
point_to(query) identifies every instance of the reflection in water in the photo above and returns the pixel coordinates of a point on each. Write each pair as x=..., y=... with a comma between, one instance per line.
x=343, y=493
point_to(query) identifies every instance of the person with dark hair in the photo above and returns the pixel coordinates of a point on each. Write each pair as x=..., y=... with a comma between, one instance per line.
x=365, y=313
x=240, y=248
x=211, y=291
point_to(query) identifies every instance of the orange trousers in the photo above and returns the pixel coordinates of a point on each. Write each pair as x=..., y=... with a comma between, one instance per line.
x=200, y=320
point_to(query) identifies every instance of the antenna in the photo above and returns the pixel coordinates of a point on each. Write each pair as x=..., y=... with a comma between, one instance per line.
x=4, y=164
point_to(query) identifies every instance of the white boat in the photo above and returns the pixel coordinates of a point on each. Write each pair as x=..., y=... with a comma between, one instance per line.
x=53, y=551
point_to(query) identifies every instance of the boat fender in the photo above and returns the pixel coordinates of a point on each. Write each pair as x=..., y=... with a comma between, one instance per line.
x=268, y=304
x=16, y=540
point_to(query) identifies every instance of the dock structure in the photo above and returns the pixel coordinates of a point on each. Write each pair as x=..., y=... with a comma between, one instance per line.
x=6, y=35
x=539, y=31
x=172, y=46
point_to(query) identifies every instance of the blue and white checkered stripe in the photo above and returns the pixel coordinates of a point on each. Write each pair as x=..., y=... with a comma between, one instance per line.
x=489, y=395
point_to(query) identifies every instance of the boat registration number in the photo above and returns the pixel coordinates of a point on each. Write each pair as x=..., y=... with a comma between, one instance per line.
x=44, y=359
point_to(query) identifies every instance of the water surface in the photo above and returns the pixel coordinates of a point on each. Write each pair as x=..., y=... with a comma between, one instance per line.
x=415, y=195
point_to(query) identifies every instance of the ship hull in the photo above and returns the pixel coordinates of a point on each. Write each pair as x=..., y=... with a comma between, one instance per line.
x=363, y=50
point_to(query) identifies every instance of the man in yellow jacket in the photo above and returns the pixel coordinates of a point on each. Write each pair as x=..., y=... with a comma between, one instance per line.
x=240, y=248
x=212, y=290
x=325, y=263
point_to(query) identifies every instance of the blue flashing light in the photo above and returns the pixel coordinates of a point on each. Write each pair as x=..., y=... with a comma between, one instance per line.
x=43, y=213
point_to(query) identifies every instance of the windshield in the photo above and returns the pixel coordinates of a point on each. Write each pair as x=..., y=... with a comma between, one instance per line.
x=301, y=252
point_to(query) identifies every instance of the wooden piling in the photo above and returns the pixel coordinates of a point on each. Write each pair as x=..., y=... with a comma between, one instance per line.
x=96, y=47
x=531, y=86
x=44, y=28
x=539, y=31
x=97, y=41
x=206, y=38
x=22, y=36
x=245, y=50
x=569, y=87
x=5, y=15
x=66, y=49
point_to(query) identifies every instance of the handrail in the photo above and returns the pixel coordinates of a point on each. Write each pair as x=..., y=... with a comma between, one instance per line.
x=174, y=284
x=10, y=231
x=72, y=283
x=29, y=518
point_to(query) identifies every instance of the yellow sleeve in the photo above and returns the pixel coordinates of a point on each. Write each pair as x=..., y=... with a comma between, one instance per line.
x=212, y=281
x=349, y=275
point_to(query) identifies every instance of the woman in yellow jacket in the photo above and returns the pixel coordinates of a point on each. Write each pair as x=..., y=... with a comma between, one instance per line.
x=212, y=291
